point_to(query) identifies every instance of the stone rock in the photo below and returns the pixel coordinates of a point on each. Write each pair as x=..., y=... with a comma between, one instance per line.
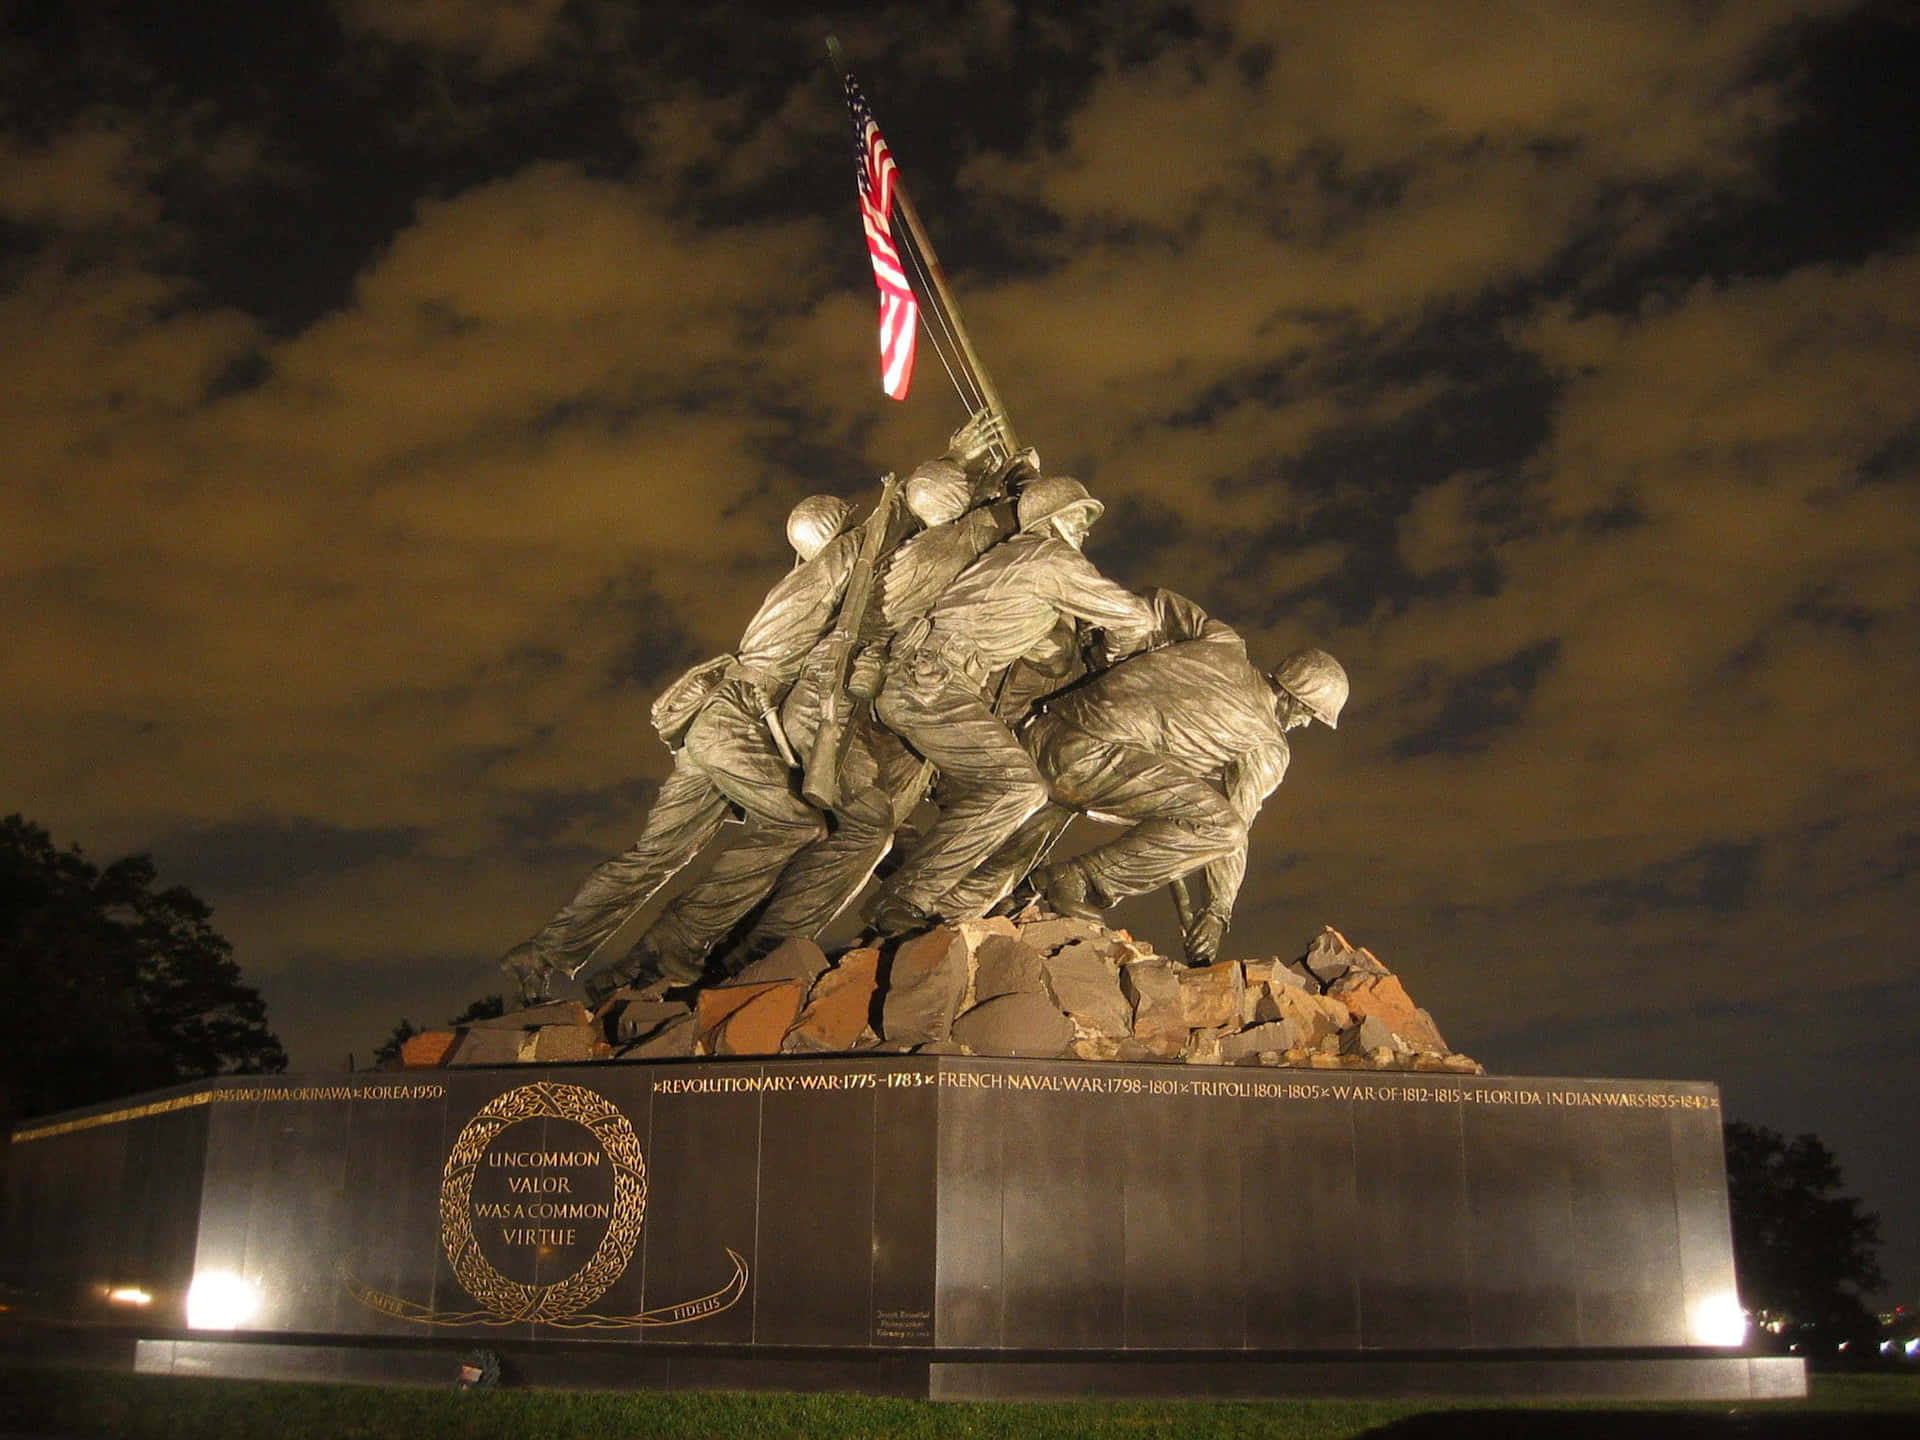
x=1095, y=1047
x=1210, y=996
x=670, y=1042
x=948, y=1046
x=1369, y=1035
x=1004, y=965
x=1159, y=1014
x=494, y=1047
x=1329, y=957
x=1020, y=1022
x=713, y=1007
x=793, y=959
x=925, y=983
x=975, y=933
x=554, y=1012
x=758, y=1027
x=1385, y=998
x=1293, y=975
x=1313, y=1019
x=560, y=1044
x=1274, y=1037
x=1086, y=984
x=840, y=1005
x=1337, y=1014
x=631, y=1020
x=1057, y=930
x=1204, y=1047
x=427, y=1049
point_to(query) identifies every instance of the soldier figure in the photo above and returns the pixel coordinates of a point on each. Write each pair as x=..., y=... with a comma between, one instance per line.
x=882, y=781
x=730, y=756
x=805, y=884
x=937, y=697
x=1186, y=742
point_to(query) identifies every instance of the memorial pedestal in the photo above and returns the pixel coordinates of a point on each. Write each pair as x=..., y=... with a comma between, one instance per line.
x=954, y=1227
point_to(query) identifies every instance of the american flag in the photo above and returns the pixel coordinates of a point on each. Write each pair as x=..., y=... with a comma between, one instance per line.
x=899, y=312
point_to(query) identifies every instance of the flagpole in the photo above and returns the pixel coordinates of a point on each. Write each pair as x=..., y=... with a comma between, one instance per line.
x=942, y=296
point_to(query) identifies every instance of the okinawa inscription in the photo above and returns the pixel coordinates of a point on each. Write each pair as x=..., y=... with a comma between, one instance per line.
x=536, y=1229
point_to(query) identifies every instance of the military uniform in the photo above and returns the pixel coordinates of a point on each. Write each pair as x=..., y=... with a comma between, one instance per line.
x=936, y=697
x=1183, y=742
x=881, y=781
x=728, y=762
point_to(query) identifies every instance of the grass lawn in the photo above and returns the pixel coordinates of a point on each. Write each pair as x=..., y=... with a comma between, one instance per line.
x=44, y=1401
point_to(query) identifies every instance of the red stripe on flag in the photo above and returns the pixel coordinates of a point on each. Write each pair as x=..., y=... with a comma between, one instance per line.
x=899, y=311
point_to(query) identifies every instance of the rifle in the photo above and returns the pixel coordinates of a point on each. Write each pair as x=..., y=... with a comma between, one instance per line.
x=840, y=712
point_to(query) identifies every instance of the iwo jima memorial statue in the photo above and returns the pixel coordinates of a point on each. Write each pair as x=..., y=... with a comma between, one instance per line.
x=992, y=1147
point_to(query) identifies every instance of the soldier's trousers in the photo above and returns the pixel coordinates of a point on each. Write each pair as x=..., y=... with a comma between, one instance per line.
x=728, y=761
x=1182, y=820
x=988, y=783
x=805, y=887
x=881, y=785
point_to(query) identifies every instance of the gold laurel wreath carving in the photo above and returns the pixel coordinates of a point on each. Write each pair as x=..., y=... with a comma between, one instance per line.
x=511, y=1300
x=560, y=1304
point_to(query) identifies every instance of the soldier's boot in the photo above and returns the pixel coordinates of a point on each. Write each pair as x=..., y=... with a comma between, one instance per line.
x=1068, y=888
x=891, y=916
x=531, y=970
x=1016, y=899
x=647, y=967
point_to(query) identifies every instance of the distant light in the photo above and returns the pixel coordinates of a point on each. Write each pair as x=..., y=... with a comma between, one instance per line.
x=220, y=1301
x=1913, y=1348
x=1718, y=1320
x=128, y=1295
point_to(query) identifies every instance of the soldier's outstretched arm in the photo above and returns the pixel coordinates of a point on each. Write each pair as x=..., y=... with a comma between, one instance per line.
x=1250, y=779
x=1081, y=591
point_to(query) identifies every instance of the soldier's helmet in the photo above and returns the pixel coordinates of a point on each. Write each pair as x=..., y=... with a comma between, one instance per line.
x=1052, y=496
x=814, y=522
x=938, y=492
x=1317, y=681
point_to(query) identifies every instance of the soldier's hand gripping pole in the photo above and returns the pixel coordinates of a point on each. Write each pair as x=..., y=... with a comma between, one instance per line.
x=838, y=710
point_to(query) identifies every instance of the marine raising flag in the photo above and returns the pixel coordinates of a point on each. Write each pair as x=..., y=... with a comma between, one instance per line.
x=899, y=312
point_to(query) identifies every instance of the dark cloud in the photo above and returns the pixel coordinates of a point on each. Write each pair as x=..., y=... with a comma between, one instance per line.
x=1712, y=878
x=264, y=854
x=1475, y=707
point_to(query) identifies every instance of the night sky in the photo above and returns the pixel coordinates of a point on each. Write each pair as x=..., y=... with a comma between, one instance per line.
x=396, y=392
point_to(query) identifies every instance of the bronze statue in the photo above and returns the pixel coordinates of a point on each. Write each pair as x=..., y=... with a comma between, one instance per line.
x=874, y=781
x=730, y=755
x=937, y=695
x=903, y=652
x=1182, y=743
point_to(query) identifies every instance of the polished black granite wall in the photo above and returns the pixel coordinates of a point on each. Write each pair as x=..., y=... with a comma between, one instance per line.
x=896, y=1204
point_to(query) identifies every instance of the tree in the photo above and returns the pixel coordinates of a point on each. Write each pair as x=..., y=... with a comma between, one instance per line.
x=1803, y=1249
x=113, y=984
x=487, y=1007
